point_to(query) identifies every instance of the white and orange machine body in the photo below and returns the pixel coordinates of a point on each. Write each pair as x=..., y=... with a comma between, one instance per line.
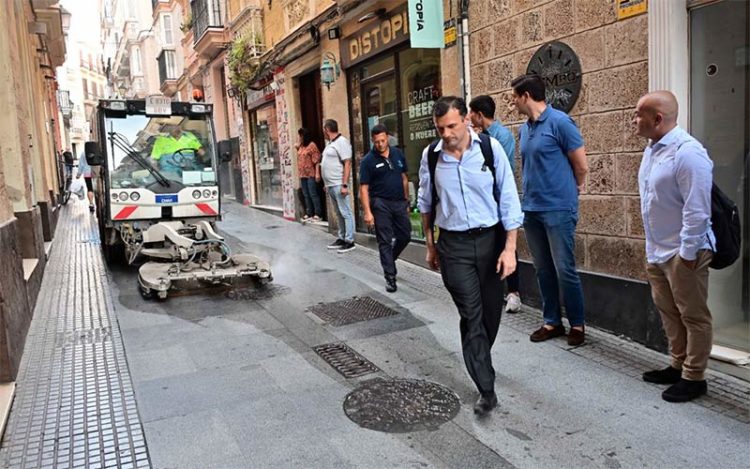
x=157, y=193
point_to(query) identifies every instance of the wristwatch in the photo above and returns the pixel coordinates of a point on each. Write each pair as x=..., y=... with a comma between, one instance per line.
x=345, y=186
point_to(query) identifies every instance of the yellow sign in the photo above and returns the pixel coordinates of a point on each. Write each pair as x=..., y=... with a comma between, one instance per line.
x=628, y=8
x=449, y=29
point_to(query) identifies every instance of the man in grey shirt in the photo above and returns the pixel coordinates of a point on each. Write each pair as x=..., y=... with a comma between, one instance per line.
x=336, y=167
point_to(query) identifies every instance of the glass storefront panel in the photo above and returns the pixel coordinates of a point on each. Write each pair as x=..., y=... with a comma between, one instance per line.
x=719, y=110
x=419, y=72
x=401, y=100
x=266, y=155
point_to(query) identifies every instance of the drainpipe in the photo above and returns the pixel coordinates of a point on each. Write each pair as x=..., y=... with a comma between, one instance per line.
x=464, y=57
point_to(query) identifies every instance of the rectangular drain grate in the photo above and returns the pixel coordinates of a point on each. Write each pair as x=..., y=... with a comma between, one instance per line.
x=345, y=360
x=353, y=310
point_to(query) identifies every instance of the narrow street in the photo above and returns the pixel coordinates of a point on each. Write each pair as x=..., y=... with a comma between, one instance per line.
x=230, y=379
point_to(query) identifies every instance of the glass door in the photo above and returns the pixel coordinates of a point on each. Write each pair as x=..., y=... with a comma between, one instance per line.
x=720, y=119
x=380, y=107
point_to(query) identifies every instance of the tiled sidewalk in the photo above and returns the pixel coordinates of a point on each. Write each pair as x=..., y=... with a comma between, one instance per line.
x=74, y=403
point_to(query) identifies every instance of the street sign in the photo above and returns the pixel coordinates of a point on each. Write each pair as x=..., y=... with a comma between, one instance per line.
x=158, y=106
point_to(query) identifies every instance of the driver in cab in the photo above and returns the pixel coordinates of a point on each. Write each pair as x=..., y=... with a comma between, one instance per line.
x=175, y=151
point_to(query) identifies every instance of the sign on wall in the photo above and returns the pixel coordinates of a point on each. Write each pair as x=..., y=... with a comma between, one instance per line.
x=426, y=24
x=449, y=29
x=628, y=8
x=376, y=37
x=559, y=67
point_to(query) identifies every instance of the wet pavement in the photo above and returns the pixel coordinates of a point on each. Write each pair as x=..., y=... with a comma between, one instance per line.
x=240, y=378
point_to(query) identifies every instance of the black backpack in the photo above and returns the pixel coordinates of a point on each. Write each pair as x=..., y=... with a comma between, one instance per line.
x=432, y=160
x=725, y=223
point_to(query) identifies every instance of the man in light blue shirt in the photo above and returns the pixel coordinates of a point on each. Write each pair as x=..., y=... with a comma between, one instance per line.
x=478, y=217
x=554, y=171
x=675, y=182
x=482, y=116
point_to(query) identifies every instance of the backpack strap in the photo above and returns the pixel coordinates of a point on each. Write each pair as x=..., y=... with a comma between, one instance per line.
x=432, y=159
x=489, y=161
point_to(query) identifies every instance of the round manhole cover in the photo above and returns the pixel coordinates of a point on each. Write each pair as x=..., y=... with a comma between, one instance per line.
x=401, y=405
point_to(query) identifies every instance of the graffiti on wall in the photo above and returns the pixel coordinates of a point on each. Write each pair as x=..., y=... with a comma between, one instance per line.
x=285, y=146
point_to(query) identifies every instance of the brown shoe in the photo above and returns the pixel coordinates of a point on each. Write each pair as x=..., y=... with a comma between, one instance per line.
x=576, y=337
x=542, y=334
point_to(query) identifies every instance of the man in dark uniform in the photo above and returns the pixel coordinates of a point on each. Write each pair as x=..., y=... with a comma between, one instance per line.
x=384, y=192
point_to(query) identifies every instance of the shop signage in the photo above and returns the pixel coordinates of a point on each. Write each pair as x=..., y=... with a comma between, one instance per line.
x=559, y=67
x=628, y=8
x=374, y=38
x=426, y=24
x=449, y=30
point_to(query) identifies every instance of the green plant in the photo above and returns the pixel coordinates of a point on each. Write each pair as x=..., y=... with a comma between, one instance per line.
x=243, y=61
x=187, y=25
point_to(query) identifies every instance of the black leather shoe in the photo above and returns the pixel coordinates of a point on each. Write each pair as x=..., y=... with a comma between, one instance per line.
x=542, y=334
x=684, y=390
x=668, y=375
x=485, y=403
x=390, y=284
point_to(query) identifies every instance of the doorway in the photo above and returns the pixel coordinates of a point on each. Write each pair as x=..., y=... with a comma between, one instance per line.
x=720, y=120
x=311, y=103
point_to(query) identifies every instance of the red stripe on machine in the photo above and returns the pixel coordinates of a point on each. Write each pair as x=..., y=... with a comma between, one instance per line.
x=125, y=213
x=205, y=208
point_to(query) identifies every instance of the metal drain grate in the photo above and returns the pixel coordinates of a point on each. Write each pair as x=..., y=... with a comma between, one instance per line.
x=345, y=360
x=401, y=405
x=352, y=310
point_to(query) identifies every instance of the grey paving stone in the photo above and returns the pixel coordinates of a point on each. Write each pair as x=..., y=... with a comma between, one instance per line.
x=74, y=362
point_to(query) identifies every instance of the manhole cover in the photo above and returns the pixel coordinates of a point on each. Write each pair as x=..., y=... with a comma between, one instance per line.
x=345, y=360
x=401, y=405
x=265, y=292
x=350, y=311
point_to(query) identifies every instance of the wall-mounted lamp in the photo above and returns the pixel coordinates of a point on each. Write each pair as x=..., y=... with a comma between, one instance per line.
x=329, y=69
x=334, y=33
x=379, y=13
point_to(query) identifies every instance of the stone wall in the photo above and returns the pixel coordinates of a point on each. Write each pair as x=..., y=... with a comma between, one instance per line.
x=614, y=58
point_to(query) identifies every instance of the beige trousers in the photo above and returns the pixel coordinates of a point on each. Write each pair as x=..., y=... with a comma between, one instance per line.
x=680, y=294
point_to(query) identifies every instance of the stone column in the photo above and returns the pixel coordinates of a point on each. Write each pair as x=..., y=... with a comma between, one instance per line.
x=668, y=52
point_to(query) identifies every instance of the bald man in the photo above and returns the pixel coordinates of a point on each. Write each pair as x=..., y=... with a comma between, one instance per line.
x=675, y=186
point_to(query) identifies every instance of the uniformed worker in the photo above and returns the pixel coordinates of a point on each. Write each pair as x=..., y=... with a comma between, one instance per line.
x=478, y=218
x=165, y=154
x=384, y=192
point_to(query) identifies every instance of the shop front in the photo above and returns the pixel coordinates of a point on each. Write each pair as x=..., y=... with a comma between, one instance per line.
x=392, y=84
x=265, y=159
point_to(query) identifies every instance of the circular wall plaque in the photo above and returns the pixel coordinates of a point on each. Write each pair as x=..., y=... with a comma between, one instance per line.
x=560, y=69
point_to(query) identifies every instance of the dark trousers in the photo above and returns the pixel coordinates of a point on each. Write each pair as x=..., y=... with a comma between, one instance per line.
x=392, y=230
x=467, y=264
x=312, y=199
x=512, y=280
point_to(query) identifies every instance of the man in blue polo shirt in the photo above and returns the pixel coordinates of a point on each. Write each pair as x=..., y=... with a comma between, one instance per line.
x=554, y=172
x=384, y=192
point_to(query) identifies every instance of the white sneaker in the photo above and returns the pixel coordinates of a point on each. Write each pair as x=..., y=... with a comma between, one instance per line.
x=512, y=303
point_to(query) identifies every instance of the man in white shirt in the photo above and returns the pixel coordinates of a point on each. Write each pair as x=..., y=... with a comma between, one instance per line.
x=675, y=182
x=336, y=167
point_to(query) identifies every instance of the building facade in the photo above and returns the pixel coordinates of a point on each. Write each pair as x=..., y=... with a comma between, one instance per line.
x=32, y=46
x=698, y=50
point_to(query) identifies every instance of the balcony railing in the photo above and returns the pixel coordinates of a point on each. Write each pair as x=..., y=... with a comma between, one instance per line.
x=167, y=65
x=206, y=14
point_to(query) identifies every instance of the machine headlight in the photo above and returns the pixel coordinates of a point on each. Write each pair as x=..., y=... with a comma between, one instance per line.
x=214, y=192
x=135, y=197
x=198, y=108
x=196, y=194
x=123, y=196
x=206, y=193
x=114, y=196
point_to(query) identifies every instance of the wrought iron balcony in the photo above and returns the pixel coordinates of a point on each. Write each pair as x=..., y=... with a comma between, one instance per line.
x=206, y=14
